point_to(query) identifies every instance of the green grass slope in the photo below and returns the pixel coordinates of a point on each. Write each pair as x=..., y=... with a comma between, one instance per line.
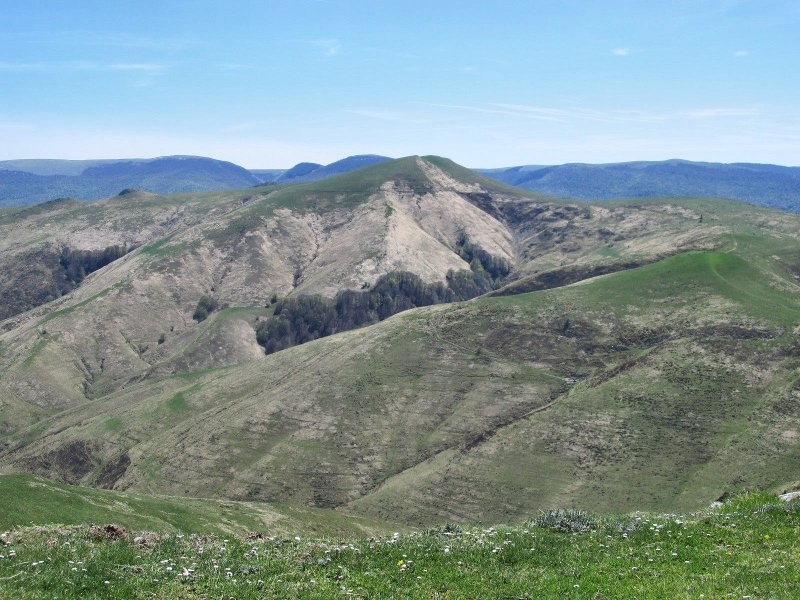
x=684, y=386
x=26, y=500
x=660, y=388
x=746, y=549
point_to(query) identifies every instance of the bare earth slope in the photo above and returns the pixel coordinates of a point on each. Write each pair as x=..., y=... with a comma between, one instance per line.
x=655, y=387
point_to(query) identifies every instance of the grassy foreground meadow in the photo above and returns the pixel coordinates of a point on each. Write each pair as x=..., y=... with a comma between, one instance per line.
x=746, y=548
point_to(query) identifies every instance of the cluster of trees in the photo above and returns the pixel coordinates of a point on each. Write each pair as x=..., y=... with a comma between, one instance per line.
x=77, y=264
x=205, y=306
x=497, y=267
x=43, y=274
x=300, y=319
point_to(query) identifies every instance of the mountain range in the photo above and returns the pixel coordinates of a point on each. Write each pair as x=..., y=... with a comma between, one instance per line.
x=444, y=347
x=33, y=181
x=305, y=172
x=767, y=185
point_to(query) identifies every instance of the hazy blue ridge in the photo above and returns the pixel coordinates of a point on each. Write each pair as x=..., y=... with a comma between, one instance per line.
x=100, y=179
x=268, y=175
x=33, y=181
x=763, y=184
x=298, y=171
x=303, y=173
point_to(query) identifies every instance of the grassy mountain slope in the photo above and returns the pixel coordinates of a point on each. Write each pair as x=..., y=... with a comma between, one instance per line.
x=656, y=387
x=25, y=499
x=659, y=387
x=745, y=548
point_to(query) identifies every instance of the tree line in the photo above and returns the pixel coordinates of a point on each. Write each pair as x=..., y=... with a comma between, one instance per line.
x=300, y=319
x=77, y=264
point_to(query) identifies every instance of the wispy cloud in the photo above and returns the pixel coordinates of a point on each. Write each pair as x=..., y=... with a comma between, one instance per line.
x=567, y=114
x=115, y=39
x=81, y=65
x=170, y=44
x=245, y=126
x=22, y=67
x=496, y=109
x=136, y=67
x=394, y=116
x=621, y=51
x=540, y=112
x=715, y=113
x=740, y=53
x=226, y=66
x=331, y=47
x=563, y=115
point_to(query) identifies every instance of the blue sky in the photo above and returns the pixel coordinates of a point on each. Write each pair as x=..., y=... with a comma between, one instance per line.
x=273, y=83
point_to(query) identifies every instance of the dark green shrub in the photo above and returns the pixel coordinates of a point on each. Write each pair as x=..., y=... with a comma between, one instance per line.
x=205, y=306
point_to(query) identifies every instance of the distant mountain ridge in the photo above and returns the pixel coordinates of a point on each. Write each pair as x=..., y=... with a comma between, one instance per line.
x=32, y=181
x=306, y=172
x=763, y=184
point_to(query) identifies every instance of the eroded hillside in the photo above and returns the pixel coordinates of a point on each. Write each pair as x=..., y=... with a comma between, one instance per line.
x=660, y=385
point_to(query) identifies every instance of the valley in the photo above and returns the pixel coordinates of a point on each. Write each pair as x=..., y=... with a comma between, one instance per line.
x=633, y=355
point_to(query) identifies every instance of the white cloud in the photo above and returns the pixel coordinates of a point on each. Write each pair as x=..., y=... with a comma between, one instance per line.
x=393, y=116
x=111, y=39
x=245, y=126
x=81, y=65
x=136, y=67
x=500, y=109
x=560, y=115
x=21, y=67
x=572, y=113
x=714, y=113
x=621, y=51
x=740, y=53
x=330, y=46
x=225, y=66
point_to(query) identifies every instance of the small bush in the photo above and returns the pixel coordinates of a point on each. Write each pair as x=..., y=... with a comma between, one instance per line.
x=447, y=530
x=566, y=520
